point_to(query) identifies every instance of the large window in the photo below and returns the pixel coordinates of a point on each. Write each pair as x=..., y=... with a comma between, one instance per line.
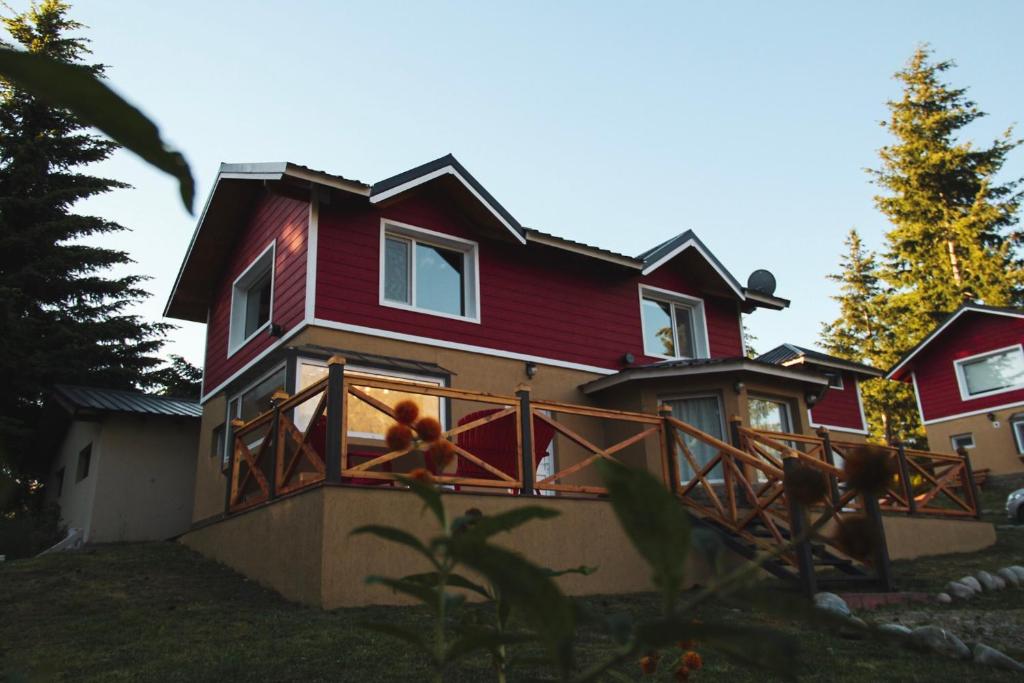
x=428, y=271
x=704, y=413
x=365, y=421
x=252, y=297
x=991, y=373
x=769, y=415
x=1017, y=425
x=673, y=324
x=254, y=401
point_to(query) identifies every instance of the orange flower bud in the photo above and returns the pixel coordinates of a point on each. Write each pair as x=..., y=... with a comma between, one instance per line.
x=399, y=437
x=649, y=664
x=692, y=660
x=805, y=484
x=439, y=455
x=428, y=428
x=869, y=468
x=406, y=412
x=421, y=474
x=681, y=674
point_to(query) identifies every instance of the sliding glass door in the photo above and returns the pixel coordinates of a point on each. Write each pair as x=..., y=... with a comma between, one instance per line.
x=704, y=413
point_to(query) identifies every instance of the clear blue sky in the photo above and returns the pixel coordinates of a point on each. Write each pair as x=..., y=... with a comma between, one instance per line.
x=616, y=124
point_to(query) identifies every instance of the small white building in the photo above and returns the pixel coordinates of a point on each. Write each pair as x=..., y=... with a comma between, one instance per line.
x=124, y=464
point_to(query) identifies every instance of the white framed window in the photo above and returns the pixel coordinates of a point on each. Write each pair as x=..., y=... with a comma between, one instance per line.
x=958, y=441
x=365, y=421
x=429, y=272
x=1017, y=425
x=673, y=324
x=252, y=300
x=992, y=372
x=703, y=411
x=835, y=380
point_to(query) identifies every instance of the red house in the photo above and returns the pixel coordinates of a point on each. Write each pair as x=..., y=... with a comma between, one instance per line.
x=839, y=407
x=968, y=375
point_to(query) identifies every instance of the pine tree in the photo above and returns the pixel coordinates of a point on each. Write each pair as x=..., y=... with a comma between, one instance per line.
x=861, y=334
x=63, y=318
x=178, y=378
x=950, y=240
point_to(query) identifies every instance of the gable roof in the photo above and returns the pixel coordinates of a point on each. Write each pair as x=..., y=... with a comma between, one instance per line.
x=93, y=399
x=895, y=372
x=447, y=165
x=789, y=355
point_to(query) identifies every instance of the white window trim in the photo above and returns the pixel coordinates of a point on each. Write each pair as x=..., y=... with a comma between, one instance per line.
x=721, y=416
x=471, y=279
x=961, y=379
x=953, y=438
x=1018, y=437
x=835, y=428
x=235, y=346
x=695, y=304
x=839, y=376
x=383, y=374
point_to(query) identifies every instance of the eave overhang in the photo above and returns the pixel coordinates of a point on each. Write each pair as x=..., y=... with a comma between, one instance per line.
x=674, y=369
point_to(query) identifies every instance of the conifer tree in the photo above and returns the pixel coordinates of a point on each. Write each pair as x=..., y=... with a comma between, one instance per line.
x=950, y=240
x=63, y=317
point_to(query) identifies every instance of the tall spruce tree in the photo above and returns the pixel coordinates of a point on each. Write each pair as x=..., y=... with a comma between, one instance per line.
x=63, y=317
x=861, y=334
x=950, y=240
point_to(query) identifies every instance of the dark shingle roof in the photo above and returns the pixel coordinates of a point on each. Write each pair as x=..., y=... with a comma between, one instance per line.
x=116, y=401
x=787, y=352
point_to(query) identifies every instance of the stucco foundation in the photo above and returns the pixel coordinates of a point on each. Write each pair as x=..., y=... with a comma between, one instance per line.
x=994, y=445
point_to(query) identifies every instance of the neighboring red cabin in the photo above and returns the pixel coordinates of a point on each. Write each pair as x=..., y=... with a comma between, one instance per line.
x=840, y=407
x=969, y=378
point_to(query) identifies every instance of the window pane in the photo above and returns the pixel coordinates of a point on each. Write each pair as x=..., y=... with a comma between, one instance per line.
x=439, y=279
x=396, y=270
x=257, y=304
x=705, y=414
x=256, y=401
x=684, y=332
x=768, y=415
x=657, y=319
x=309, y=373
x=998, y=371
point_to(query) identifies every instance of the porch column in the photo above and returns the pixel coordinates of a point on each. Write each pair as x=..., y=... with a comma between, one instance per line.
x=335, y=417
x=526, y=439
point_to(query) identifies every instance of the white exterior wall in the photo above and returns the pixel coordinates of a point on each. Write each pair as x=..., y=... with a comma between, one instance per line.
x=76, y=498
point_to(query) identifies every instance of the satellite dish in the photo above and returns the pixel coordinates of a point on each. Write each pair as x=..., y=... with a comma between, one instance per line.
x=761, y=281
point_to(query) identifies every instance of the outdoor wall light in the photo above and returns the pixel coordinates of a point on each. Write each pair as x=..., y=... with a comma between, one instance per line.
x=991, y=417
x=276, y=330
x=738, y=387
x=811, y=399
x=628, y=358
x=531, y=369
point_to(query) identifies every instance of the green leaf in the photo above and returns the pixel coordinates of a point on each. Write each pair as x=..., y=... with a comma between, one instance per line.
x=400, y=632
x=431, y=579
x=426, y=595
x=583, y=570
x=486, y=639
x=654, y=520
x=488, y=525
x=75, y=88
x=395, y=535
x=528, y=589
x=430, y=496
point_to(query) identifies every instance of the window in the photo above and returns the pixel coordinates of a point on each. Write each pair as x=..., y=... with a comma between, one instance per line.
x=959, y=441
x=428, y=271
x=58, y=482
x=704, y=413
x=252, y=298
x=252, y=402
x=84, y=459
x=1017, y=425
x=673, y=324
x=835, y=380
x=217, y=443
x=770, y=415
x=365, y=421
x=991, y=373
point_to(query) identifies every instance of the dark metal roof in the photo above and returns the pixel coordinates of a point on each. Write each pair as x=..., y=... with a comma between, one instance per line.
x=784, y=353
x=681, y=366
x=945, y=322
x=75, y=398
x=436, y=165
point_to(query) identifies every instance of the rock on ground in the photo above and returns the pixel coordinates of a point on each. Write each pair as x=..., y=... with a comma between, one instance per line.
x=830, y=602
x=895, y=629
x=1018, y=570
x=960, y=591
x=941, y=641
x=943, y=598
x=1009, y=576
x=986, y=580
x=989, y=656
x=999, y=581
x=971, y=583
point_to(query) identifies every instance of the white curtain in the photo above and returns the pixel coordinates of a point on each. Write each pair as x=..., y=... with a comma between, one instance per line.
x=705, y=414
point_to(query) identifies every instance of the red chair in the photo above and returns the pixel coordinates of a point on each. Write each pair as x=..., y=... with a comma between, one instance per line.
x=495, y=444
x=318, y=441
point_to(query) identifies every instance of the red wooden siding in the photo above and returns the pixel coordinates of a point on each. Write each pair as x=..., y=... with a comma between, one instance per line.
x=971, y=334
x=535, y=300
x=839, y=407
x=273, y=218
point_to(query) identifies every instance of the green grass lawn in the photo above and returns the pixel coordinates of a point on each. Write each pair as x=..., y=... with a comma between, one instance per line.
x=158, y=612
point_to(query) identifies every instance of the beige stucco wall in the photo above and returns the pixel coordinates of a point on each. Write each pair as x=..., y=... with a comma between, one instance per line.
x=994, y=447
x=145, y=479
x=910, y=537
x=210, y=481
x=76, y=497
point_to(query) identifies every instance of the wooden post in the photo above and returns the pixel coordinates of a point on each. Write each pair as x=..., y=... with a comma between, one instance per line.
x=335, y=417
x=874, y=515
x=526, y=439
x=668, y=451
x=908, y=486
x=735, y=422
x=797, y=528
x=829, y=454
x=276, y=443
x=232, y=478
x=970, y=486
x=732, y=487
